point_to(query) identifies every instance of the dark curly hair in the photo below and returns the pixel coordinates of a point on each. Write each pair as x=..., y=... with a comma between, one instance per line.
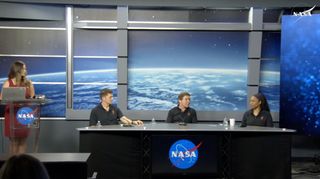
x=264, y=103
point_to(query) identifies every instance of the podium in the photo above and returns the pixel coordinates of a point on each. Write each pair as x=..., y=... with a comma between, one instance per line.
x=21, y=126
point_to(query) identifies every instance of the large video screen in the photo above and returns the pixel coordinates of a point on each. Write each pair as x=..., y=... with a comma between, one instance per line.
x=90, y=76
x=211, y=66
x=299, y=79
x=49, y=78
x=185, y=155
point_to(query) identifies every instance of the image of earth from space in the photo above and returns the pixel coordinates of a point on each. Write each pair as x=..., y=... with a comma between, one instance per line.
x=153, y=89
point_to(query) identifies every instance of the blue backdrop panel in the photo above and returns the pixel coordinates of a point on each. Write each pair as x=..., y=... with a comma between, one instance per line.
x=300, y=74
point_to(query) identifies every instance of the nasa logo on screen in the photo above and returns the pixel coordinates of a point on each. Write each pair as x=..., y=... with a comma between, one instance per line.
x=183, y=154
x=25, y=116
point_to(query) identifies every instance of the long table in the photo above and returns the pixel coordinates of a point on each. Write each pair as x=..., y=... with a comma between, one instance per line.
x=244, y=152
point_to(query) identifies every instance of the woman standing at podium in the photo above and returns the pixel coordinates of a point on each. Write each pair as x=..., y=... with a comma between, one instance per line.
x=17, y=77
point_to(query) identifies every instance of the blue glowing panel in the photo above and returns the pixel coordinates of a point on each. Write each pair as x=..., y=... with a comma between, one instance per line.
x=48, y=76
x=300, y=64
x=212, y=66
x=270, y=82
x=90, y=76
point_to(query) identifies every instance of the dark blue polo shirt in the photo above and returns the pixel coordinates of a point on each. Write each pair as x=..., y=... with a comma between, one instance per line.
x=264, y=118
x=187, y=116
x=105, y=117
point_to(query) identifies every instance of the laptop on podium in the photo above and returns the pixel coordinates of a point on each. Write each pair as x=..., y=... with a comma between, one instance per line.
x=14, y=93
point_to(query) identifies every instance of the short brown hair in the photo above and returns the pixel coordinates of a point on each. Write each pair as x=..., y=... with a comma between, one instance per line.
x=105, y=92
x=183, y=94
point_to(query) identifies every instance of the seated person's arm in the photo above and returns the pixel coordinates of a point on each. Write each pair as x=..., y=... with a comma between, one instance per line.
x=244, y=121
x=93, y=118
x=170, y=117
x=126, y=120
x=269, y=122
x=195, y=118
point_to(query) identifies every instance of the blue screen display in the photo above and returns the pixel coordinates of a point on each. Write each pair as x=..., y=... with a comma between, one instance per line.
x=49, y=78
x=90, y=76
x=211, y=66
x=300, y=74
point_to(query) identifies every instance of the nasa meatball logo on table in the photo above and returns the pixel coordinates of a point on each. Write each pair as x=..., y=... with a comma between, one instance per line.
x=25, y=116
x=183, y=154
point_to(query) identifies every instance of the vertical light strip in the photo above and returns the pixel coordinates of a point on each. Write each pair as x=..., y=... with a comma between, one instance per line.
x=69, y=64
x=250, y=17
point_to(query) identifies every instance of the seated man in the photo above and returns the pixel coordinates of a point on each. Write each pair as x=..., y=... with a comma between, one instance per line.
x=108, y=114
x=182, y=113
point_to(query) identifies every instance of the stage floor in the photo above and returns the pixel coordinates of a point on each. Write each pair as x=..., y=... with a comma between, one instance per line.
x=305, y=169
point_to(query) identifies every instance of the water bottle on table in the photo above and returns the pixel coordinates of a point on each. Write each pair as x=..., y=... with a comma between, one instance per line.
x=153, y=121
x=225, y=121
x=99, y=124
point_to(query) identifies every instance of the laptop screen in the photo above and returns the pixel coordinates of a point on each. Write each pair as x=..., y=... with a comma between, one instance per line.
x=14, y=93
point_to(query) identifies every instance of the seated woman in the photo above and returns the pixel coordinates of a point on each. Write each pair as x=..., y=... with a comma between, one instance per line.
x=259, y=114
x=182, y=113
